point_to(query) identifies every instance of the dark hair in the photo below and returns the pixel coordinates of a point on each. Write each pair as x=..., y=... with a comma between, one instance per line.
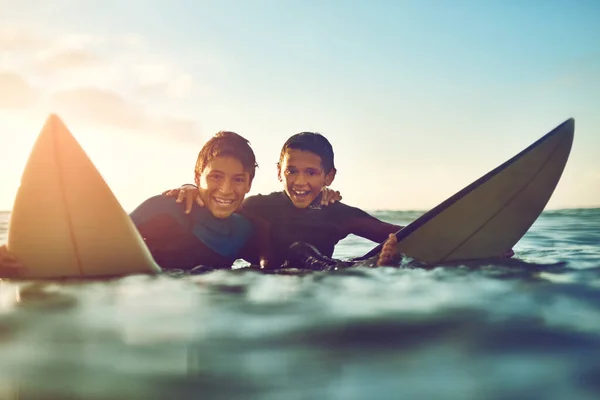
x=226, y=143
x=313, y=142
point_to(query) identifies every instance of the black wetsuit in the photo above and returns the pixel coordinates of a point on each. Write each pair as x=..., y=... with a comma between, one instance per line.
x=319, y=226
x=185, y=241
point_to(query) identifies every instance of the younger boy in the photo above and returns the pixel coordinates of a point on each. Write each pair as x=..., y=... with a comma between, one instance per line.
x=296, y=215
x=213, y=236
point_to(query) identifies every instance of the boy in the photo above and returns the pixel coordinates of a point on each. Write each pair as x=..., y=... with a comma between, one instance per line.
x=213, y=236
x=296, y=215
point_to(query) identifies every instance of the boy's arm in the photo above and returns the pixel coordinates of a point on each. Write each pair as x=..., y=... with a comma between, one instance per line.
x=378, y=231
x=372, y=228
x=360, y=223
x=188, y=194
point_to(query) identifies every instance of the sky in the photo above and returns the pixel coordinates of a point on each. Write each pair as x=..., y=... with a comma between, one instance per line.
x=419, y=98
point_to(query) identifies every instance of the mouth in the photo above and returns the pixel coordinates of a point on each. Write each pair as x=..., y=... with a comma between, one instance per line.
x=300, y=194
x=223, y=202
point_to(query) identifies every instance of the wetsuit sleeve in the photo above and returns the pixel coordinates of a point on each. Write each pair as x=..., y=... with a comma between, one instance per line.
x=372, y=229
x=364, y=225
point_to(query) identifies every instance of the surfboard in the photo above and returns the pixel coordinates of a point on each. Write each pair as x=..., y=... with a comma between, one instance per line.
x=488, y=217
x=66, y=222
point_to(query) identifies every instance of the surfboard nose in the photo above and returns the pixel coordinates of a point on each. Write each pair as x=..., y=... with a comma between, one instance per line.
x=567, y=126
x=54, y=124
x=65, y=219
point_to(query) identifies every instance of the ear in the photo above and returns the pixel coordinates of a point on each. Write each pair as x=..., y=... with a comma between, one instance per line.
x=330, y=177
x=279, y=172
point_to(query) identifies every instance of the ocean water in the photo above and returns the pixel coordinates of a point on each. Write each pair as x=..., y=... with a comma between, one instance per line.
x=522, y=329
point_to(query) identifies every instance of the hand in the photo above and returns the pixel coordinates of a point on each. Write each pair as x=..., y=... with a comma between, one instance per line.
x=508, y=254
x=187, y=193
x=388, y=256
x=10, y=265
x=264, y=261
x=329, y=196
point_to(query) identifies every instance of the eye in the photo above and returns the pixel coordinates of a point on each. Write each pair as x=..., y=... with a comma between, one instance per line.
x=240, y=180
x=214, y=177
x=290, y=172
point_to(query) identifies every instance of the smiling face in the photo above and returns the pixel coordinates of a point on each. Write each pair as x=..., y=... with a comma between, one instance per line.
x=222, y=185
x=303, y=176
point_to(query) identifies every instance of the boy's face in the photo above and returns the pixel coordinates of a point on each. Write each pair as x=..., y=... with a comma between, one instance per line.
x=303, y=176
x=222, y=185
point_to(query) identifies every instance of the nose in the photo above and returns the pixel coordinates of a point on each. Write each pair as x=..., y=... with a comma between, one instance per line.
x=300, y=179
x=226, y=187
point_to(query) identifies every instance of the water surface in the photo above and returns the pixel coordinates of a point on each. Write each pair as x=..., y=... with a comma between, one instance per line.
x=526, y=328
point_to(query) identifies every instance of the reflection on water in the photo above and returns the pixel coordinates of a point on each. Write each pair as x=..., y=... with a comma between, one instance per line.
x=527, y=328
x=9, y=296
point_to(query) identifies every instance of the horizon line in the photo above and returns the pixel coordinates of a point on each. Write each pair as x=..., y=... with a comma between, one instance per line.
x=425, y=210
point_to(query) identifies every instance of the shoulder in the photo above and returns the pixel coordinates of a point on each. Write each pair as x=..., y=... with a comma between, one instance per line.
x=155, y=206
x=263, y=200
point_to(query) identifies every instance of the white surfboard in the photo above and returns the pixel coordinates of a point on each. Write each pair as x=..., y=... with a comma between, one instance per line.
x=489, y=216
x=66, y=222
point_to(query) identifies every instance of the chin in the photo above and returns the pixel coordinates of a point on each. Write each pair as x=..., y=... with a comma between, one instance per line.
x=221, y=214
x=303, y=204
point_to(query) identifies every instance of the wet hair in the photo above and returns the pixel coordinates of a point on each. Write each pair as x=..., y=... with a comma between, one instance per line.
x=313, y=142
x=226, y=143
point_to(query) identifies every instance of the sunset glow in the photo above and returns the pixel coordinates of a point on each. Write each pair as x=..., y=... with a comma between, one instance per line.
x=417, y=98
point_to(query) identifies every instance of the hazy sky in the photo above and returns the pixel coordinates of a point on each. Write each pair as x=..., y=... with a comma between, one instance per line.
x=418, y=98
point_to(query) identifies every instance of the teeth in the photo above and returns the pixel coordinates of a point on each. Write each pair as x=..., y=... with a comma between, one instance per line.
x=300, y=192
x=223, y=202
